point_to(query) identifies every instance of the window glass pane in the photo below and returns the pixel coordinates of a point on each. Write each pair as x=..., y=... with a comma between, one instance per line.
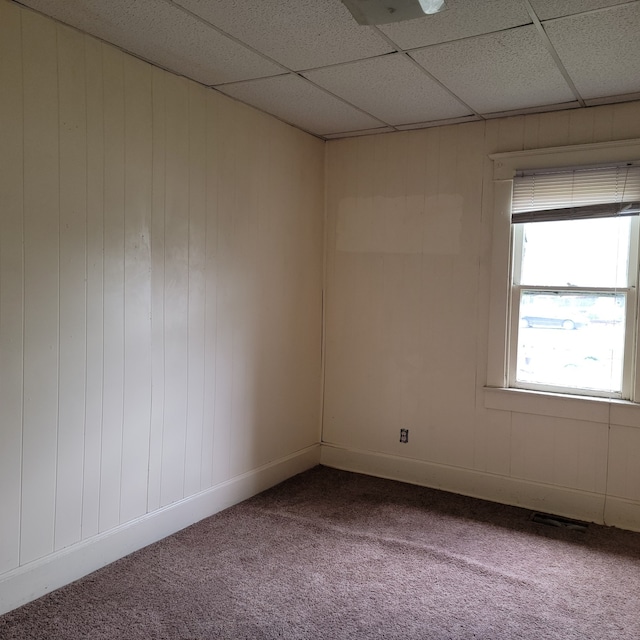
x=571, y=340
x=584, y=253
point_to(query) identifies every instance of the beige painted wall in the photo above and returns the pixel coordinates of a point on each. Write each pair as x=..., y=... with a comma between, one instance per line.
x=160, y=288
x=409, y=241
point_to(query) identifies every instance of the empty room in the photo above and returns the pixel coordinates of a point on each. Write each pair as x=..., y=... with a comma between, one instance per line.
x=319, y=319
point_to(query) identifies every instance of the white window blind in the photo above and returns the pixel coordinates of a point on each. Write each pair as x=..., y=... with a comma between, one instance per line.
x=586, y=192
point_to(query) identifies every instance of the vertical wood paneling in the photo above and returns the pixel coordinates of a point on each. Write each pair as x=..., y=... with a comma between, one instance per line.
x=157, y=289
x=95, y=288
x=11, y=283
x=197, y=286
x=470, y=164
x=137, y=289
x=402, y=274
x=245, y=441
x=580, y=455
x=73, y=357
x=626, y=123
x=336, y=176
x=227, y=183
x=492, y=450
x=428, y=311
x=581, y=126
x=560, y=452
x=511, y=134
x=303, y=300
x=374, y=160
x=284, y=309
x=394, y=284
x=114, y=204
x=346, y=307
x=603, y=124
x=531, y=132
x=440, y=249
x=269, y=269
x=369, y=332
x=485, y=242
x=211, y=254
x=41, y=286
x=452, y=435
x=147, y=223
x=412, y=329
x=624, y=471
x=554, y=129
x=176, y=299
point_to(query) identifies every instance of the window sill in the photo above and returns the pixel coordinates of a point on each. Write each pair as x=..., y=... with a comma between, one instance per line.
x=555, y=405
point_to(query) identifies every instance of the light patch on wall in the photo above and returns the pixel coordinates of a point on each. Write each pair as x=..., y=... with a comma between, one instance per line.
x=442, y=226
x=392, y=229
x=378, y=229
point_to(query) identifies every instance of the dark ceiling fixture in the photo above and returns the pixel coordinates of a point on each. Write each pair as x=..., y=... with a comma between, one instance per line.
x=385, y=11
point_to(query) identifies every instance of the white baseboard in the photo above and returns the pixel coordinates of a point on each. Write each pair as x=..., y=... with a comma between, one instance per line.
x=572, y=503
x=33, y=580
x=621, y=513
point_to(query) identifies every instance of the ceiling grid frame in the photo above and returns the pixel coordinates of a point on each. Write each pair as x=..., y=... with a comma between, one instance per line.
x=257, y=78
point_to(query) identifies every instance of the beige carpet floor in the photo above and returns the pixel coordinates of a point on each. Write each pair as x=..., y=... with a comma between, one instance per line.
x=335, y=555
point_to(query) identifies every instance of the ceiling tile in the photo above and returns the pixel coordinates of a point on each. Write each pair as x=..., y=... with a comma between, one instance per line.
x=298, y=102
x=300, y=34
x=461, y=19
x=164, y=34
x=498, y=72
x=487, y=53
x=375, y=84
x=546, y=9
x=601, y=51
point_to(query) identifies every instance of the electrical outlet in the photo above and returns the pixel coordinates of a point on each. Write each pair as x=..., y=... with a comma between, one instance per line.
x=404, y=435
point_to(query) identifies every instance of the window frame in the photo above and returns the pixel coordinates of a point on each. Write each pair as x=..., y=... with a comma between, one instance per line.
x=630, y=325
x=501, y=316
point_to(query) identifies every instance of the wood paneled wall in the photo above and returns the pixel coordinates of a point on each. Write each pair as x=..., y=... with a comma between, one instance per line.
x=160, y=287
x=409, y=239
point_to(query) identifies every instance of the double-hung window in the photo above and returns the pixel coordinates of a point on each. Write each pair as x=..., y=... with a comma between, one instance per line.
x=573, y=290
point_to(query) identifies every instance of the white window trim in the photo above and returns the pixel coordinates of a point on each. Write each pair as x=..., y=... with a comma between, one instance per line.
x=505, y=166
x=631, y=303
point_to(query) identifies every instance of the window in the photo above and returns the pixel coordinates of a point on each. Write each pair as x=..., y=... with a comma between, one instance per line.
x=564, y=307
x=574, y=269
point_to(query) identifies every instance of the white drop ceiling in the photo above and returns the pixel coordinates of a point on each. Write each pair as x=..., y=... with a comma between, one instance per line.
x=308, y=62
